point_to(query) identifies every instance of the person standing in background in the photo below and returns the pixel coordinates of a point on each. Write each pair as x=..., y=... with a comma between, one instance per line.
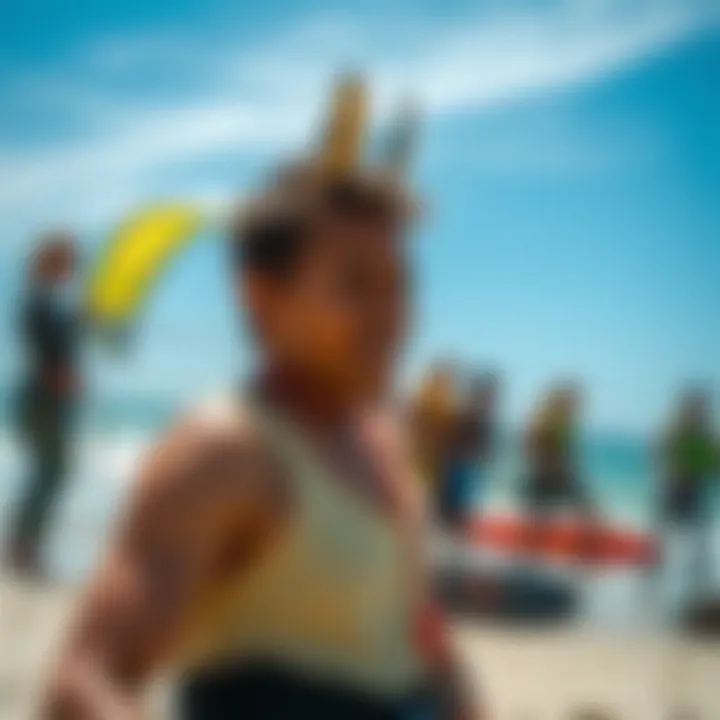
x=482, y=426
x=553, y=479
x=469, y=451
x=550, y=450
x=689, y=458
x=47, y=394
x=432, y=416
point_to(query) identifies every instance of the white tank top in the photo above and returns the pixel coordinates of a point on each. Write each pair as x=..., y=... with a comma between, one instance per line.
x=333, y=598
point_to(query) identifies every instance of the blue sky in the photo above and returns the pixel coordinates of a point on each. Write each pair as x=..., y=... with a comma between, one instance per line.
x=570, y=153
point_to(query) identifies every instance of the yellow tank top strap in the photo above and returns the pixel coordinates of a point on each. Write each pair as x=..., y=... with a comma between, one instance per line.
x=304, y=468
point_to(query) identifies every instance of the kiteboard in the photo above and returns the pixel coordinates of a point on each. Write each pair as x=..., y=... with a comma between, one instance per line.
x=563, y=538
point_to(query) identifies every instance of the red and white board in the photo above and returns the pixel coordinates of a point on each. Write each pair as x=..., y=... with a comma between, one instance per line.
x=563, y=538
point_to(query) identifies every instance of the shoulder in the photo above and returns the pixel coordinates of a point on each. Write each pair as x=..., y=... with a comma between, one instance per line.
x=212, y=459
x=213, y=433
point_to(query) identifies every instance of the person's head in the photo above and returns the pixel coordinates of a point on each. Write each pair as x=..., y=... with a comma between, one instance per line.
x=55, y=259
x=564, y=402
x=436, y=391
x=694, y=409
x=324, y=278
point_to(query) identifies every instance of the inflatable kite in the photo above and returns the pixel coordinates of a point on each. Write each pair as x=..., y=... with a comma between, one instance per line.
x=132, y=260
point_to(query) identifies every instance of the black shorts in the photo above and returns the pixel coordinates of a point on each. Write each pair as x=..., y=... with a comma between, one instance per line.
x=261, y=692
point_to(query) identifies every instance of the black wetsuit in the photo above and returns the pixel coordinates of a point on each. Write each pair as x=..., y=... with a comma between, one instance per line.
x=44, y=409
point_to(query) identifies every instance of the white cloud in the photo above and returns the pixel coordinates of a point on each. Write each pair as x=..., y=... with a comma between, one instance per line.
x=522, y=54
x=551, y=142
x=266, y=97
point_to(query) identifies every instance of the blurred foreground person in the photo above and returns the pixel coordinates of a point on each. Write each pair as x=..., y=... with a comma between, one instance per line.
x=47, y=395
x=469, y=450
x=271, y=560
x=690, y=463
x=553, y=480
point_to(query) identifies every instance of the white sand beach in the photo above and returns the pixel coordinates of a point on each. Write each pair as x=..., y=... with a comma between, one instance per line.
x=524, y=674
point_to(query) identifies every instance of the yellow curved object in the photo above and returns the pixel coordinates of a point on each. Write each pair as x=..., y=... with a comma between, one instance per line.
x=346, y=128
x=134, y=256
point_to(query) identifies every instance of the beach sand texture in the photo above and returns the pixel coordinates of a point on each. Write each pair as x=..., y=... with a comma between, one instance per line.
x=524, y=674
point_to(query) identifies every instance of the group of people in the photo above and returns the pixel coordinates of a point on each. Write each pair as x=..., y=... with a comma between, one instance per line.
x=455, y=429
x=454, y=420
x=453, y=425
x=271, y=557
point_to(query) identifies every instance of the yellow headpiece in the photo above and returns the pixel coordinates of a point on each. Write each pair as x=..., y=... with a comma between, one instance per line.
x=345, y=131
x=341, y=150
